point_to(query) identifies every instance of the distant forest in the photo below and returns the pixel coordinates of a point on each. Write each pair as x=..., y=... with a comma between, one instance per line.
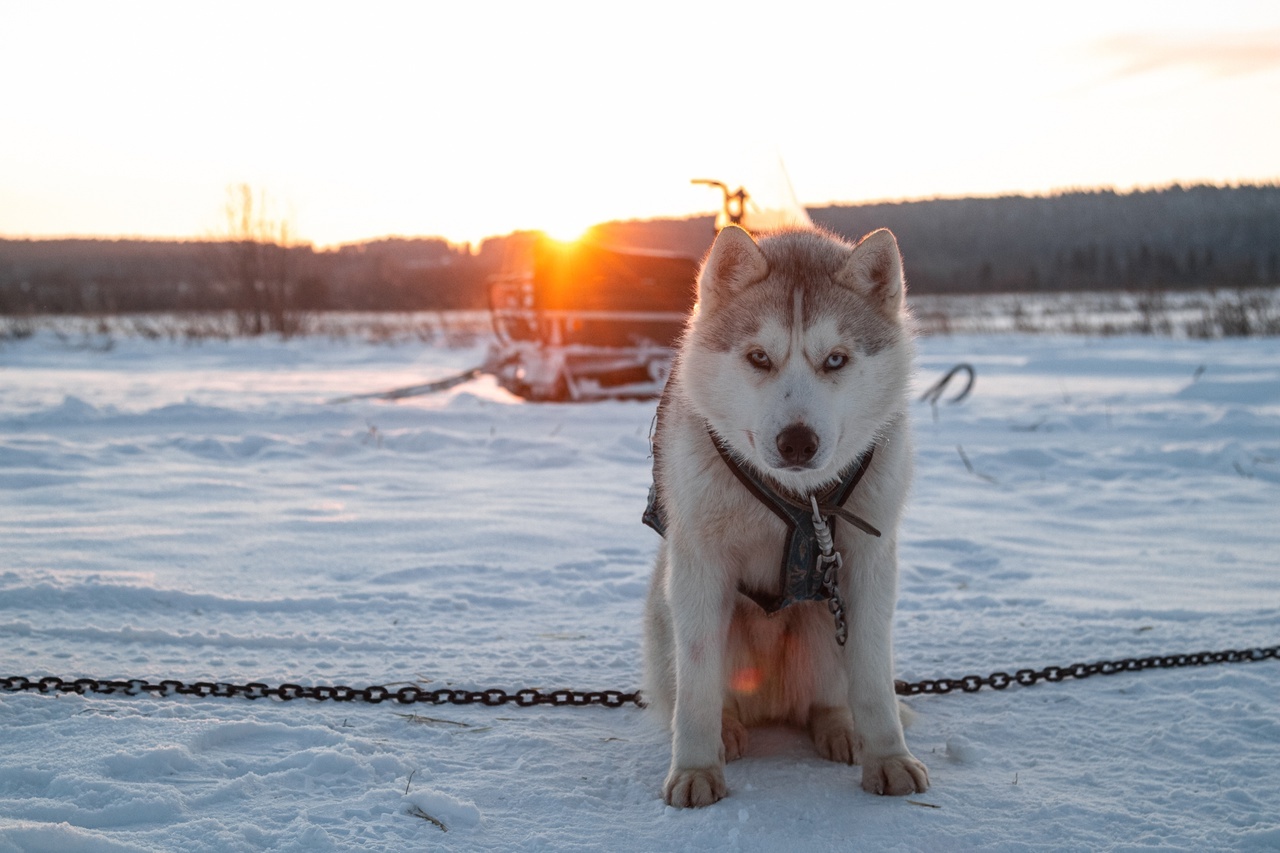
x=1177, y=237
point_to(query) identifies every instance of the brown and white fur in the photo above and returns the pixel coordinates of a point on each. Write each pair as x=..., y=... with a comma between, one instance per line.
x=797, y=336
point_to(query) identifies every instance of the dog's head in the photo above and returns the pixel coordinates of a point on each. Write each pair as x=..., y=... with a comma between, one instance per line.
x=799, y=351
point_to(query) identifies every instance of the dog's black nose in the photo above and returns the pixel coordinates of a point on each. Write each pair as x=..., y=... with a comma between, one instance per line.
x=797, y=444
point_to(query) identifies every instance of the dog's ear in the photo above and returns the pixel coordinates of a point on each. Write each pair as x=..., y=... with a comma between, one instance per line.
x=875, y=270
x=734, y=262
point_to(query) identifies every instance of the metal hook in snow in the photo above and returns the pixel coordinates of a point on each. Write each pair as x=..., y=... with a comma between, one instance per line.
x=934, y=394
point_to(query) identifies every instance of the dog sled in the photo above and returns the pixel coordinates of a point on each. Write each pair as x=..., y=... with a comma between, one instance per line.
x=578, y=321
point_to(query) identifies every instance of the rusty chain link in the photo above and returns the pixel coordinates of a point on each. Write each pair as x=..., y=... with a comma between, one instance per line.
x=529, y=697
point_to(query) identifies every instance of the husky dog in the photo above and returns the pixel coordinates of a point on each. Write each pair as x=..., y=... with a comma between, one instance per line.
x=792, y=373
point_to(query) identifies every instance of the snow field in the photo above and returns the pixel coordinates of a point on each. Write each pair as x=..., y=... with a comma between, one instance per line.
x=199, y=512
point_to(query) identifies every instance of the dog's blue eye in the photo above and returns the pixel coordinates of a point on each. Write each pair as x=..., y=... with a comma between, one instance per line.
x=759, y=359
x=835, y=361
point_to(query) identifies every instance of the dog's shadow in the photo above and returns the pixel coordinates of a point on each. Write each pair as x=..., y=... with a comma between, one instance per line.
x=778, y=742
x=783, y=758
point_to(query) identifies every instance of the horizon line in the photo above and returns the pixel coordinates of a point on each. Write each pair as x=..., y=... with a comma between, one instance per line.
x=1258, y=183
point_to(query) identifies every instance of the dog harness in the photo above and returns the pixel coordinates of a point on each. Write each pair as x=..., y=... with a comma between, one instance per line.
x=807, y=555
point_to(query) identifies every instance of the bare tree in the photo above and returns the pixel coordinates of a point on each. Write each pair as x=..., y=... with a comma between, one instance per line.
x=259, y=262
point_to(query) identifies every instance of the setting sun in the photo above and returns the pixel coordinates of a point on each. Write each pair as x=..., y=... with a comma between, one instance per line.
x=570, y=229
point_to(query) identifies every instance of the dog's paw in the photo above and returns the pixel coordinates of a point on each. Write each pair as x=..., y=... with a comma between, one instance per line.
x=834, y=736
x=694, y=788
x=894, y=774
x=733, y=736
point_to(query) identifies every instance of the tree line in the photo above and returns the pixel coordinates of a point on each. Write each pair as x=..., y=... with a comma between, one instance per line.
x=120, y=276
x=1173, y=237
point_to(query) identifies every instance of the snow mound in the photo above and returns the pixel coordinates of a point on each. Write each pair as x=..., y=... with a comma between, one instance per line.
x=440, y=808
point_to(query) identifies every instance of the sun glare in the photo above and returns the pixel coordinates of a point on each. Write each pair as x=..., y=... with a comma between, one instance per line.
x=567, y=230
x=745, y=680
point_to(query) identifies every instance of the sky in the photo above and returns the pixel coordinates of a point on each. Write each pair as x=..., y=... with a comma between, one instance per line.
x=470, y=119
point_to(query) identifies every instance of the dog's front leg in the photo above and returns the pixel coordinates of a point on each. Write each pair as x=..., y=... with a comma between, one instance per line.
x=700, y=610
x=887, y=765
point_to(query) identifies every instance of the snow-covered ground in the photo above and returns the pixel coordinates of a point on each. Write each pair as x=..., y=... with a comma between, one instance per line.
x=200, y=512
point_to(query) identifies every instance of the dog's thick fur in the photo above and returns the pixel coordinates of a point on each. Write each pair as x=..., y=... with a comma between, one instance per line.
x=797, y=336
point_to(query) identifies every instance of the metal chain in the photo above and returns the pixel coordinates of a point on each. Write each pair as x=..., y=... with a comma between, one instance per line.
x=530, y=697
x=830, y=566
x=1028, y=677
x=323, y=692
